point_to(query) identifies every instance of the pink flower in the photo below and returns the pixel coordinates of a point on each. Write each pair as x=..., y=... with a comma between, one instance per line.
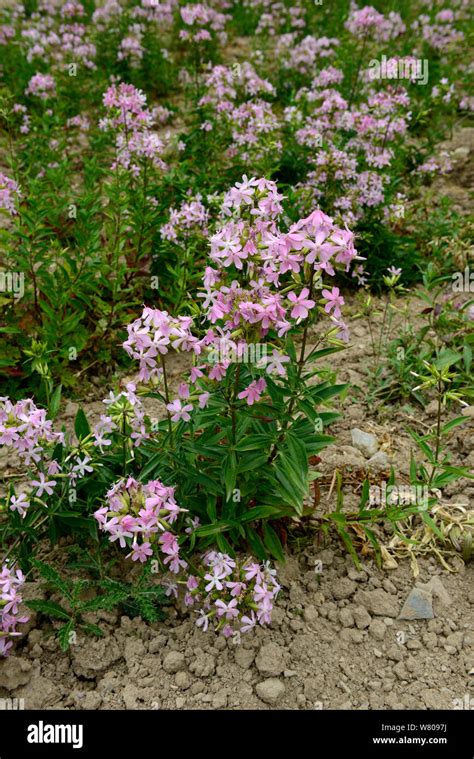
x=334, y=300
x=19, y=504
x=203, y=620
x=302, y=304
x=275, y=364
x=253, y=392
x=203, y=400
x=249, y=622
x=229, y=610
x=141, y=552
x=179, y=412
x=43, y=485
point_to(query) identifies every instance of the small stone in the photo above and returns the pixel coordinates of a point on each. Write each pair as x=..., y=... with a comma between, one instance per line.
x=388, y=586
x=219, y=700
x=430, y=640
x=377, y=629
x=362, y=617
x=180, y=702
x=346, y=617
x=352, y=636
x=244, y=657
x=438, y=591
x=310, y=614
x=270, y=691
x=343, y=588
x=182, y=680
x=174, y=662
x=357, y=576
x=379, y=462
x=419, y=605
x=365, y=442
x=455, y=640
x=156, y=644
x=204, y=665
x=15, y=672
x=413, y=645
x=270, y=659
x=378, y=602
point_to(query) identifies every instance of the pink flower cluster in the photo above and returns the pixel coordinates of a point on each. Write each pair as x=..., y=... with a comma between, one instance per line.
x=9, y=194
x=153, y=334
x=224, y=85
x=125, y=413
x=354, y=145
x=233, y=595
x=11, y=581
x=129, y=118
x=304, y=56
x=248, y=243
x=439, y=33
x=202, y=22
x=368, y=22
x=140, y=516
x=42, y=86
x=25, y=429
x=191, y=216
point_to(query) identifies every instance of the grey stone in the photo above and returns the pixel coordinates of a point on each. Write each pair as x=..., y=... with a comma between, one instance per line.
x=174, y=662
x=182, y=680
x=365, y=442
x=219, y=700
x=377, y=629
x=379, y=461
x=343, y=588
x=244, y=657
x=378, y=602
x=270, y=659
x=419, y=605
x=362, y=617
x=270, y=691
x=346, y=617
x=14, y=672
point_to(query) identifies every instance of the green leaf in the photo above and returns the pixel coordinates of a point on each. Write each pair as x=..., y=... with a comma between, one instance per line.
x=272, y=543
x=81, y=425
x=364, y=496
x=453, y=423
x=229, y=474
x=423, y=446
x=53, y=577
x=224, y=546
x=259, y=512
x=91, y=629
x=447, y=358
x=432, y=525
x=51, y=608
x=55, y=402
x=255, y=543
x=214, y=529
x=63, y=635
